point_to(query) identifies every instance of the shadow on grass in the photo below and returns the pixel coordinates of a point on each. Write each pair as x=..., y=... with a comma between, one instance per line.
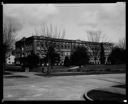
x=60, y=74
x=16, y=76
x=98, y=95
x=7, y=73
x=13, y=68
x=74, y=73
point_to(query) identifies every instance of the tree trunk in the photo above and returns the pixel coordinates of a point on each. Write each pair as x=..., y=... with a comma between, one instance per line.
x=48, y=72
x=49, y=66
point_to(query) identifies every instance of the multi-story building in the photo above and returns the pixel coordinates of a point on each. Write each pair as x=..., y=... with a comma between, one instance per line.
x=64, y=47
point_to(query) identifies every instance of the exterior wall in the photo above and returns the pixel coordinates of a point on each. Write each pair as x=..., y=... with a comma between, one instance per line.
x=23, y=48
x=10, y=59
x=37, y=44
x=10, y=56
x=107, y=50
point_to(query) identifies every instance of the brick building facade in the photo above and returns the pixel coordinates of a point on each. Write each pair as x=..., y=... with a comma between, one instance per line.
x=64, y=47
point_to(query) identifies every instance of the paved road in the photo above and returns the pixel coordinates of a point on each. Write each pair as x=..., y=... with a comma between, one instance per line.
x=29, y=86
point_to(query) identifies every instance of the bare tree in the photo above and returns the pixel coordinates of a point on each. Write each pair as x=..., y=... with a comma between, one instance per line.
x=50, y=32
x=9, y=31
x=95, y=36
x=122, y=43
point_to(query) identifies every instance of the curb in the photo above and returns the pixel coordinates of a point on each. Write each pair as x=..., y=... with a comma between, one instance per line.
x=87, y=97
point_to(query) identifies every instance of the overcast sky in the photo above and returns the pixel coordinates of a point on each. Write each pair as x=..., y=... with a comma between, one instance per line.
x=76, y=19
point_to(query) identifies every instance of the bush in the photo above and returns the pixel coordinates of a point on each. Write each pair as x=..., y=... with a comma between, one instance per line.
x=79, y=70
x=117, y=56
x=30, y=61
x=108, y=69
x=67, y=61
x=79, y=57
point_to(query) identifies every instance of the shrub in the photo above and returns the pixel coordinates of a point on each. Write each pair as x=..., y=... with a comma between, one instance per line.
x=67, y=61
x=79, y=57
x=31, y=61
x=108, y=69
x=117, y=56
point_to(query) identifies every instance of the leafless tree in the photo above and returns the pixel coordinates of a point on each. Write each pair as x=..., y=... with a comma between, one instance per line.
x=95, y=36
x=50, y=32
x=9, y=31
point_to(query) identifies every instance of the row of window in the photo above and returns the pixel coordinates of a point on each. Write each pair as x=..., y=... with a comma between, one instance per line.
x=63, y=45
x=65, y=53
x=27, y=47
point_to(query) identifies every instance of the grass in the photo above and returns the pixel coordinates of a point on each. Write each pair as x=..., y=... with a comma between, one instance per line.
x=98, y=95
x=13, y=68
x=93, y=68
x=88, y=69
x=104, y=67
x=7, y=73
x=16, y=76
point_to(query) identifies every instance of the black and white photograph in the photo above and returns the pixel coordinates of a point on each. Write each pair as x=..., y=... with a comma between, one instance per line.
x=64, y=52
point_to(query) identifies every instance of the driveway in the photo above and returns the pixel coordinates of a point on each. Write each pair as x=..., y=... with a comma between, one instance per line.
x=30, y=86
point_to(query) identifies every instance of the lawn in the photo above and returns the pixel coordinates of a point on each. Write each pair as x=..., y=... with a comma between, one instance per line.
x=92, y=68
x=88, y=69
x=13, y=68
x=98, y=95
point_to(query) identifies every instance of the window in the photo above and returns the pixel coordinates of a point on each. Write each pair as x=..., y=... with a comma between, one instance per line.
x=65, y=46
x=38, y=48
x=42, y=45
x=62, y=46
x=69, y=46
x=68, y=53
x=62, y=55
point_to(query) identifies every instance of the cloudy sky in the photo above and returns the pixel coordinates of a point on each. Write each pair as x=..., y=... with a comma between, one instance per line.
x=76, y=19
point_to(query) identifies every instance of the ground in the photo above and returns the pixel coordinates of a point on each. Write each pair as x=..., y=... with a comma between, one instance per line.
x=31, y=86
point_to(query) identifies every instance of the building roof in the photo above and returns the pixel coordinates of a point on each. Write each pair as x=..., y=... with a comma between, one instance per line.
x=57, y=39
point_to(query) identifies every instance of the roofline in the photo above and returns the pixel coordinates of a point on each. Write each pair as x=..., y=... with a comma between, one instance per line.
x=81, y=41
